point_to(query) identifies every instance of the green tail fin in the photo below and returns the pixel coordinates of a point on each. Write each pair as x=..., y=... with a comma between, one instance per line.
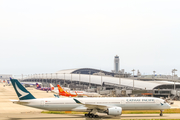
x=21, y=92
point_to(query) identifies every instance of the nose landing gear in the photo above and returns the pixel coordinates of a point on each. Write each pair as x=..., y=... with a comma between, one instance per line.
x=161, y=114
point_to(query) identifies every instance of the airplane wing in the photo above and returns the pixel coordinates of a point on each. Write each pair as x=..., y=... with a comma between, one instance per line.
x=93, y=106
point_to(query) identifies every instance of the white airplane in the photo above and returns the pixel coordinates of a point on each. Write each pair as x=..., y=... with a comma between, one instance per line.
x=79, y=93
x=111, y=106
x=30, y=84
x=55, y=89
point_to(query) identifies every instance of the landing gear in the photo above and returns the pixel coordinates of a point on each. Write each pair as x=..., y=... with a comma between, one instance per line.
x=90, y=115
x=161, y=114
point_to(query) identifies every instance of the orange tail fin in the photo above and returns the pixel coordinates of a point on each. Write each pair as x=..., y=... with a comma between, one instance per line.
x=60, y=89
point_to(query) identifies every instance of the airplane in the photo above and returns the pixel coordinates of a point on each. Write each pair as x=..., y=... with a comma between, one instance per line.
x=29, y=84
x=44, y=88
x=55, y=89
x=64, y=93
x=112, y=105
x=8, y=82
x=79, y=93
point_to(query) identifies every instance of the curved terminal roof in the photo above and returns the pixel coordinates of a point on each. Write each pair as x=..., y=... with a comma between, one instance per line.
x=84, y=71
x=67, y=71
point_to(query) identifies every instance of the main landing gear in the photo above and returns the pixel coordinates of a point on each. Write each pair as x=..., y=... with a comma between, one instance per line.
x=161, y=114
x=91, y=115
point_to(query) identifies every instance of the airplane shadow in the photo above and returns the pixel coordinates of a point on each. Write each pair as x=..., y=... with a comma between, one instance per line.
x=71, y=117
x=75, y=116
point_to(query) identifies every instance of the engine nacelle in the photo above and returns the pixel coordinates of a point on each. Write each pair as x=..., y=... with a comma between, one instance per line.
x=114, y=111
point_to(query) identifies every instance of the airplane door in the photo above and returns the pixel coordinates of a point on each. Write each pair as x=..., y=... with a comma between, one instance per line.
x=123, y=103
x=157, y=104
x=42, y=103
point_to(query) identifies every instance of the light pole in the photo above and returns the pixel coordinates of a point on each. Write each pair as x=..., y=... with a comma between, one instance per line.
x=43, y=79
x=22, y=77
x=46, y=78
x=71, y=78
x=64, y=79
x=173, y=71
x=51, y=78
x=101, y=78
x=89, y=79
x=79, y=78
x=133, y=78
x=154, y=75
x=56, y=78
x=34, y=77
x=119, y=80
x=59, y=79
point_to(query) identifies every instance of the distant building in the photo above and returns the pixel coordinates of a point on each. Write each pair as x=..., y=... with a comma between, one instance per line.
x=5, y=76
x=116, y=64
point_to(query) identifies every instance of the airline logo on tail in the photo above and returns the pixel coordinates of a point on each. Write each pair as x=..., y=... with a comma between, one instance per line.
x=60, y=89
x=22, y=93
x=52, y=87
x=37, y=85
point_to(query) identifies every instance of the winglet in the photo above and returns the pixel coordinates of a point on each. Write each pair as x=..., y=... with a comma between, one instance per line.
x=77, y=101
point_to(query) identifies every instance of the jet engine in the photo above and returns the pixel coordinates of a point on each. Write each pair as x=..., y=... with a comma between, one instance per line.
x=114, y=111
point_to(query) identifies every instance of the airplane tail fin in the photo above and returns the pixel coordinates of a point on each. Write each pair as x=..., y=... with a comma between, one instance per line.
x=22, y=93
x=52, y=87
x=60, y=89
x=37, y=85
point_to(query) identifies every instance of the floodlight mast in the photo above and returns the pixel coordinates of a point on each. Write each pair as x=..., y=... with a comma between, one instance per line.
x=173, y=71
x=154, y=74
x=133, y=78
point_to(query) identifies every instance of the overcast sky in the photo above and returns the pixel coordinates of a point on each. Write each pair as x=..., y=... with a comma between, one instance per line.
x=44, y=36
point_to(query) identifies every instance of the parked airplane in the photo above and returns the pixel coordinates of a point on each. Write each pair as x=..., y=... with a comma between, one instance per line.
x=111, y=105
x=8, y=82
x=42, y=88
x=55, y=89
x=29, y=84
x=64, y=93
x=79, y=93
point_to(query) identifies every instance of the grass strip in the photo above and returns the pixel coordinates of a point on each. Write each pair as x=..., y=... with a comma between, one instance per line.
x=150, y=119
x=168, y=111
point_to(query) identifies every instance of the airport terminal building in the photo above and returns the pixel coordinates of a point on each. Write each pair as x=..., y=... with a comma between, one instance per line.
x=103, y=82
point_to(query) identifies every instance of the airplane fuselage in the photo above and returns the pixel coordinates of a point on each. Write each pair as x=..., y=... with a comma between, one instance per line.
x=126, y=103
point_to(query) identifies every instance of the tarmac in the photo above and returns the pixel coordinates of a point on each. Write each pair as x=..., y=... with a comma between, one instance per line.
x=40, y=116
x=10, y=111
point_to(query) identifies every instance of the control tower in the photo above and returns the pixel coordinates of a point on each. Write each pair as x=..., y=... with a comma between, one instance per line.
x=116, y=64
